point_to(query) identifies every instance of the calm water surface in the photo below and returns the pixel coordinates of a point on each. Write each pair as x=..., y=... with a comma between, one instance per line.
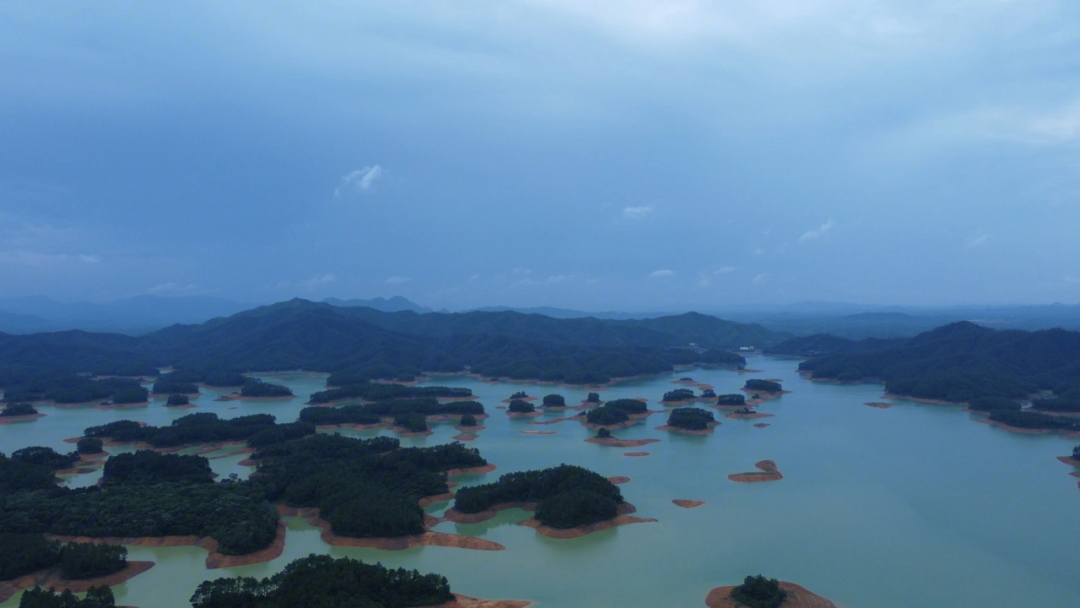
x=910, y=506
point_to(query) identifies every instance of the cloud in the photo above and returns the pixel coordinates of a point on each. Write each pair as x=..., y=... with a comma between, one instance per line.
x=317, y=281
x=813, y=234
x=360, y=180
x=760, y=279
x=36, y=258
x=397, y=280
x=724, y=270
x=661, y=274
x=977, y=240
x=637, y=213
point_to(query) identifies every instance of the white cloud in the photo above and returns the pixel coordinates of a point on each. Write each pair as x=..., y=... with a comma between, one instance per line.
x=813, y=234
x=724, y=270
x=703, y=281
x=317, y=281
x=360, y=180
x=637, y=213
x=397, y=280
x=661, y=274
x=36, y=258
x=760, y=279
x=977, y=240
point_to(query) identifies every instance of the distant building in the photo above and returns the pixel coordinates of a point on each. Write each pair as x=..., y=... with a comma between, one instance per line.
x=746, y=348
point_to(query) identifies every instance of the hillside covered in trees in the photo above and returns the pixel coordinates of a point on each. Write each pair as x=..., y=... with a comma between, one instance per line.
x=961, y=362
x=366, y=343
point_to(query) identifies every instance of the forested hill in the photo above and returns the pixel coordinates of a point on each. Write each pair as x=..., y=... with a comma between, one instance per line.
x=299, y=334
x=959, y=362
x=827, y=344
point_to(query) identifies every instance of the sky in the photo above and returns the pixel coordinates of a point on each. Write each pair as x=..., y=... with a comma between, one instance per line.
x=590, y=154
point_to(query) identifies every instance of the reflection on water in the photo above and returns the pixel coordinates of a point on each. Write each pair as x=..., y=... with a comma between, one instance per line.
x=910, y=506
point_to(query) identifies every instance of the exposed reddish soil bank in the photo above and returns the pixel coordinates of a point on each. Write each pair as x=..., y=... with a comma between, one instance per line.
x=474, y=518
x=213, y=560
x=519, y=399
x=621, y=443
x=763, y=396
x=798, y=597
x=635, y=454
x=487, y=468
x=524, y=414
x=1069, y=461
x=618, y=479
x=427, y=501
x=466, y=437
x=922, y=400
x=470, y=429
x=687, y=504
x=351, y=425
x=738, y=416
x=51, y=579
x=26, y=418
x=769, y=473
x=464, y=601
x=622, y=519
x=427, y=539
x=879, y=404
x=610, y=427
x=555, y=421
x=675, y=429
x=538, y=432
x=761, y=425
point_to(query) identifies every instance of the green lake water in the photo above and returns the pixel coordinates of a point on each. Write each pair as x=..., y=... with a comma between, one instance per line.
x=911, y=506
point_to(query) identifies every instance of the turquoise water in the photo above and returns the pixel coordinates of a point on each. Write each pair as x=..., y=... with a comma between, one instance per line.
x=910, y=506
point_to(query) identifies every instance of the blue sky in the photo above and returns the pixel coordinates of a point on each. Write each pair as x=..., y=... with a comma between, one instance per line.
x=612, y=154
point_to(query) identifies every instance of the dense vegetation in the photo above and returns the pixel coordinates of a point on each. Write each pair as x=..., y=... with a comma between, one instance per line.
x=373, y=413
x=520, y=406
x=630, y=406
x=324, y=582
x=759, y=592
x=186, y=380
x=732, y=399
x=89, y=445
x=18, y=409
x=603, y=433
x=679, y=394
x=467, y=420
x=96, y=597
x=364, y=488
x=177, y=400
x=346, y=414
x=1033, y=420
x=412, y=422
x=554, y=400
x=360, y=343
x=257, y=388
x=1056, y=405
x=520, y=395
x=25, y=553
x=764, y=386
x=204, y=427
x=148, y=466
x=567, y=496
x=606, y=415
x=962, y=361
x=690, y=418
x=59, y=387
x=593, y=398
x=351, y=387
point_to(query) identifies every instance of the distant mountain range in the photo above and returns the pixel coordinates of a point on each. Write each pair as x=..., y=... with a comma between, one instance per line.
x=300, y=334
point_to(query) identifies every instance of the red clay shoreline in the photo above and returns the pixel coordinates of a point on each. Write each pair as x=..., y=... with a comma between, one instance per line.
x=623, y=518
x=798, y=597
x=621, y=443
x=50, y=578
x=769, y=472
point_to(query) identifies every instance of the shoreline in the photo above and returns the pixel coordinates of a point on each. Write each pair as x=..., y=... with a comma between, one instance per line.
x=622, y=518
x=682, y=431
x=798, y=597
x=397, y=543
x=621, y=443
x=769, y=472
x=464, y=601
x=214, y=559
x=22, y=418
x=50, y=578
x=687, y=504
x=740, y=416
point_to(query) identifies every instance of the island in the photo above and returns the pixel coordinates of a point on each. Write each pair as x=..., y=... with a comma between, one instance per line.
x=15, y=412
x=690, y=420
x=177, y=401
x=519, y=408
x=592, y=398
x=732, y=400
x=760, y=592
x=256, y=389
x=767, y=472
x=554, y=401
x=30, y=560
x=604, y=437
x=569, y=501
x=607, y=416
